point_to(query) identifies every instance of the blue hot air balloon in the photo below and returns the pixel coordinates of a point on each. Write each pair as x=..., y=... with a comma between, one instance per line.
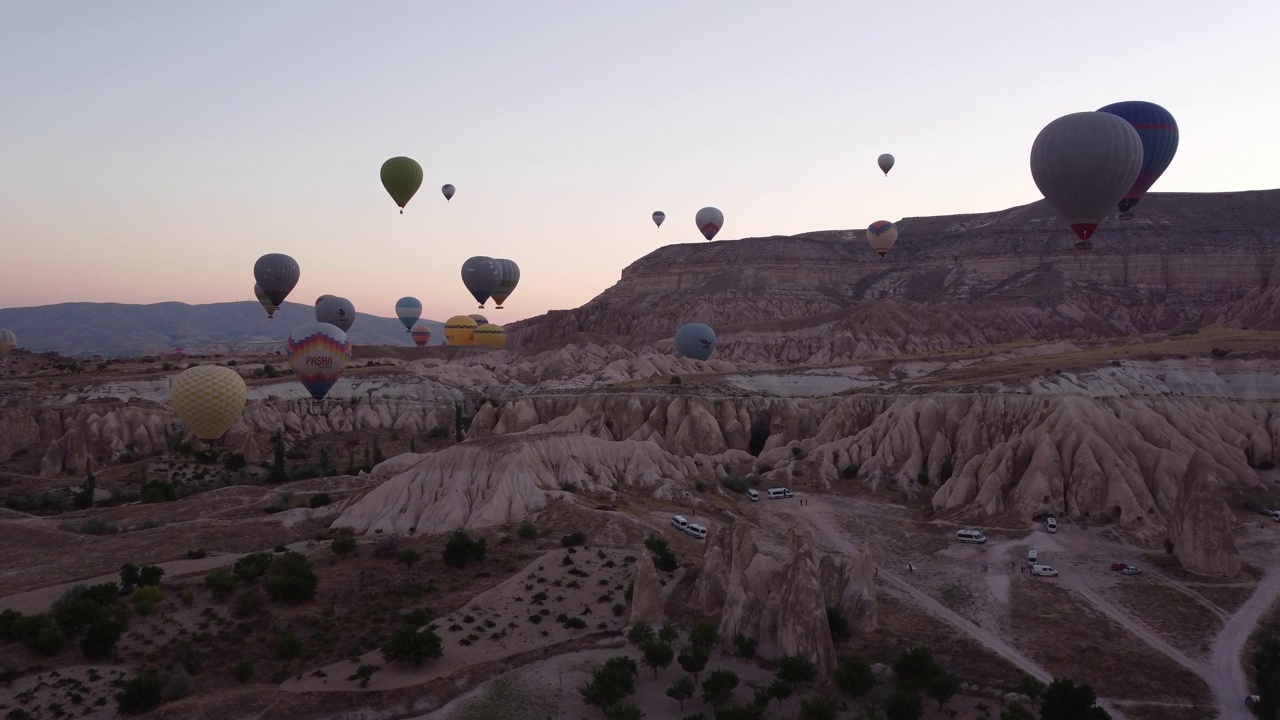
x=696, y=341
x=1159, y=133
x=408, y=310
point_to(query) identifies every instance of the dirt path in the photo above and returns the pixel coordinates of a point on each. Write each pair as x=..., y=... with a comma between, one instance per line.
x=1227, y=666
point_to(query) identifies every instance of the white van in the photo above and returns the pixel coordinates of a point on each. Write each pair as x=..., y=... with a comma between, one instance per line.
x=679, y=522
x=779, y=493
x=1043, y=571
x=1051, y=524
x=972, y=536
x=1032, y=556
x=697, y=531
x=752, y=495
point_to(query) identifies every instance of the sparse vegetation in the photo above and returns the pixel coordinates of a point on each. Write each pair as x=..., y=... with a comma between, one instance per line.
x=462, y=549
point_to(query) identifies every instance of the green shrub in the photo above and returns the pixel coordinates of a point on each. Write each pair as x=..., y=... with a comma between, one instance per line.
x=140, y=693
x=850, y=471
x=573, y=539
x=221, y=583
x=527, y=530
x=319, y=500
x=242, y=671
x=461, y=549
x=291, y=579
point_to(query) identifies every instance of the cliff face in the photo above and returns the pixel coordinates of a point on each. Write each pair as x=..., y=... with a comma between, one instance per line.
x=953, y=281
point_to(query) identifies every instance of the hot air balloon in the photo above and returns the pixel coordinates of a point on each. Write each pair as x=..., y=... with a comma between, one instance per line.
x=402, y=177
x=490, y=335
x=408, y=309
x=885, y=162
x=709, y=221
x=882, y=234
x=336, y=311
x=8, y=341
x=1084, y=163
x=448, y=191
x=507, y=285
x=321, y=298
x=421, y=335
x=480, y=319
x=277, y=275
x=208, y=398
x=481, y=274
x=269, y=306
x=658, y=217
x=1159, y=134
x=318, y=353
x=460, y=330
x=696, y=341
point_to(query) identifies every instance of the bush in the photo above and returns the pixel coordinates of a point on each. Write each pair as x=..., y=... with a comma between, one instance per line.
x=796, y=669
x=291, y=579
x=461, y=549
x=408, y=557
x=150, y=575
x=704, y=636
x=854, y=676
x=235, y=462
x=157, y=491
x=915, y=663
x=819, y=707
x=717, y=689
x=98, y=526
x=527, y=531
x=242, y=671
x=248, y=603
x=141, y=693
x=850, y=471
x=344, y=544
x=196, y=554
x=412, y=645
x=610, y=683
x=319, y=500
x=743, y=646
x=386, y=547
x=221, y=583
x=146, y=598
x=663, y=558
x=252, y=566
x=573, y=539
x=287, y=646
x=904, y=703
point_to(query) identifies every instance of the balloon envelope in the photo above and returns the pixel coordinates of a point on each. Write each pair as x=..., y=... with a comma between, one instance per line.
x=408, y=309
x=481, y=274
x=208, y=398
x=265, y=301
x=448, y=191
x=318, y=353
x=1159, y=134
x=507, y=285
x=460, y=330
x=490, y=335
x=709, y=221
x=696, y=341
x=421, y=335
x=1084, y=163
x=885, y=162
x=336, y=311
x=882, y=234
x=480, y=319
x=277, y=275
x=402, y=177
x=658, y=217
x=8, y=341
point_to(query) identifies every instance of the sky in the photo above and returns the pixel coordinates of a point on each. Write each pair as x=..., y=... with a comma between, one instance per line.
x=151, y=151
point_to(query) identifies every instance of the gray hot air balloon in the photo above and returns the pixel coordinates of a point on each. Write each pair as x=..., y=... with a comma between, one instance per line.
x=709, y=221
x=507, y=285
x=481, y=275
x=276, y=275
x=448, y=191
x=336, y=311
x=696, y=341
x=658, y=217
x=1084, y=163
x=885, y=162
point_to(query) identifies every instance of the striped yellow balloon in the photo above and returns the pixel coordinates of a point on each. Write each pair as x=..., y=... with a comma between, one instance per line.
x=490, y=335
x=208, y=398
x=460, y=330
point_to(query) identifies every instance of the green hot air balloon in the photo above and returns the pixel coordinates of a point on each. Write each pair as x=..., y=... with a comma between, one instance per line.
x=402, y=177
x=265, y=301
x=506, y=285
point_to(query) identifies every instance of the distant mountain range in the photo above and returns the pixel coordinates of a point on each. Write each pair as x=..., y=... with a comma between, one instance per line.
x=115, y=329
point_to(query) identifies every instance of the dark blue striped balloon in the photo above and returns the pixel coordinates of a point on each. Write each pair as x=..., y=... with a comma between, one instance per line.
x=1159, y=133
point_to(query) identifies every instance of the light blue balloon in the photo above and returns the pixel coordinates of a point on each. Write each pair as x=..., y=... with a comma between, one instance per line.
x=408, y=310
x=696, y=341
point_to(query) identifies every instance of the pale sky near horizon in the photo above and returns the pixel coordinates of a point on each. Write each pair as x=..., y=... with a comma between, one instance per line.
x=152, y=151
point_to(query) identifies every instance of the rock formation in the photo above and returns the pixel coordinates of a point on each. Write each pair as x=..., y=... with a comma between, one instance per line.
x=1202, y=523
x=646, y=593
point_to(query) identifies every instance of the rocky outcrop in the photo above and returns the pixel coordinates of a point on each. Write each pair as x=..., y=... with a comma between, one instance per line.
x=646, y=593
x=780, y=596
x=1201, y=526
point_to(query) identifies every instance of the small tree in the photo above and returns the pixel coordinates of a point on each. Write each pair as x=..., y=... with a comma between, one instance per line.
x=612, y=682
x=128, y=577
x=413, y=646
x=743, y=646
x=461, y=549
x=657, y=655
x=854, y=676
x=140, y=693
x=287, y=646
x=364, y=674
x=780, y=690
x=796, y=669
x=693, y=661
x=1064, y=700
x=682, y=689
x=344, y=544
x=704, y=635
x=914, y=664
x=819, y=707
x=717, y=689
x=942, y=686
x=903, y=703
x=408, y=557
x=1031, y=687
x=668, y=633
x=640, y=634
x=623, y=711
x=221, y=583
x=252, y=566
x=145, y=599
x=1015, y=711
x=291, y=579
x=242, y=671
x=150, y=575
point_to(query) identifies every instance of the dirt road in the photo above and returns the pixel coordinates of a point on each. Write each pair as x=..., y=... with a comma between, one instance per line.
x=1226, y=664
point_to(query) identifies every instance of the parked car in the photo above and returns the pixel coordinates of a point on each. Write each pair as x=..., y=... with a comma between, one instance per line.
x=1043, y=571
x=972, y=536
x=1051, y=524
x=1131, y=570
x=1275, y=514
x=752, y=495
x=697, y=531
x=1032, y=556
x=1118, y=566
x=779, y=493
x=679, y=522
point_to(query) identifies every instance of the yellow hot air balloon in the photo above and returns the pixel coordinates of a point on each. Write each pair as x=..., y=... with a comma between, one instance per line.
x=460, y=330
x=208, y=398
x=490, y=335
